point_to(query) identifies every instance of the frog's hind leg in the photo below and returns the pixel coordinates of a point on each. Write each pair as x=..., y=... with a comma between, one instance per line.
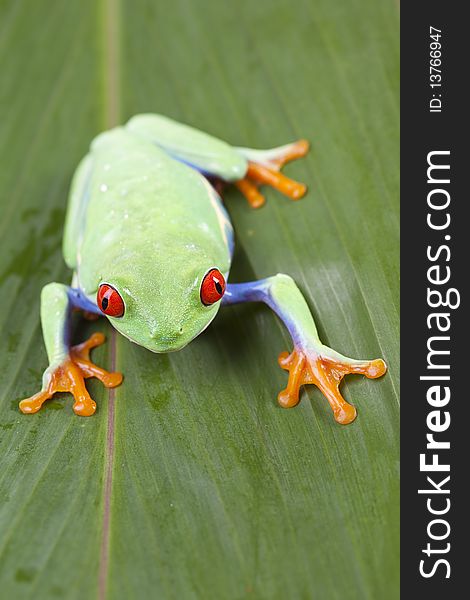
x=69, y=366
x=264, y=168
x=310, y=361
x=245, y=167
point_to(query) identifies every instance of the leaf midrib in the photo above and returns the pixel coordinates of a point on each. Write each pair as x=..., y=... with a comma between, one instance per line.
x=111, y=118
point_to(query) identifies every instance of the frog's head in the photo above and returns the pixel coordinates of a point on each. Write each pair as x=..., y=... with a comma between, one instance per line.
x=163, y=306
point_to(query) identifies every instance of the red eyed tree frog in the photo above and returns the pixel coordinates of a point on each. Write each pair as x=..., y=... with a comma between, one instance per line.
x=150, y=245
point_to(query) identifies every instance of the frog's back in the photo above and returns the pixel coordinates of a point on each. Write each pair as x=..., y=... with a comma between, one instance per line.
x=131, y=201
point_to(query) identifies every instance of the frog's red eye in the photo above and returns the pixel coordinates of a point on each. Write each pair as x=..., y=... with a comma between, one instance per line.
x=212, y=287
x=109, y=301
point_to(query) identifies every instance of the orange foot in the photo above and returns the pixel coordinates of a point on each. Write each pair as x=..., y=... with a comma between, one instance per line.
x=326, y=374
x=269, y=173
x=70, y=377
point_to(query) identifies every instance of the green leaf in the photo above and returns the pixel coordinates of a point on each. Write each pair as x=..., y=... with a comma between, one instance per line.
x=190, y=481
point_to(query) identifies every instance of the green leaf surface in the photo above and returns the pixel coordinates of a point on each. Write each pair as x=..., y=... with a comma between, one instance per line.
x=190, y=481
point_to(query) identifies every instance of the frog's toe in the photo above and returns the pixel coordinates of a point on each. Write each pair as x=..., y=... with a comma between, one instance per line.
x=84, y=406
x=258, y=174
x=290, y=152
x=266, y=171
x=251, y=192
x=81, y=356
x=326, y=372
x=89, y=369
x=31, y=405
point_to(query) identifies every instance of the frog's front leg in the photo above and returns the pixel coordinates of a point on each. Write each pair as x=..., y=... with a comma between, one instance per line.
x=310, y=361
x=69, y=366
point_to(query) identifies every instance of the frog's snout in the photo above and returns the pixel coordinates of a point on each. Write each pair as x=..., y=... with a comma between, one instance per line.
x=167, y=341
x=157, y=334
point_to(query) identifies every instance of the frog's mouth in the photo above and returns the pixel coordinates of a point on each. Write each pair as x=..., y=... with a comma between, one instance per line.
x=161, y=346
x=160, y=343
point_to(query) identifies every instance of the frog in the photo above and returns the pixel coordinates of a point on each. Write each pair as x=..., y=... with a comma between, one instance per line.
x=150, y=244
